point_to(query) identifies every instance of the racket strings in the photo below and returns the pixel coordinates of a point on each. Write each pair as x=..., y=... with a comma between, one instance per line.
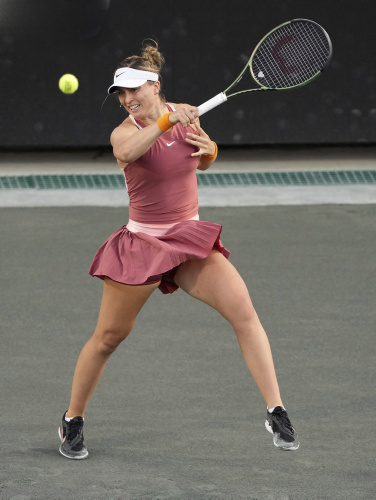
x=278, y=56
x=291, y=55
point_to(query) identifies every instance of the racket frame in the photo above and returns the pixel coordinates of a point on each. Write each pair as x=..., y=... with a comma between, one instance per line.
x=223, y=96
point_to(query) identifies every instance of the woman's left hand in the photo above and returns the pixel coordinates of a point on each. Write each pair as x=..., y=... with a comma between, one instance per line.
x=202, y=142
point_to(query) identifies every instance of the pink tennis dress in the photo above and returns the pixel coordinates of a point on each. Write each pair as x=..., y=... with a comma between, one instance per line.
x=163, y=229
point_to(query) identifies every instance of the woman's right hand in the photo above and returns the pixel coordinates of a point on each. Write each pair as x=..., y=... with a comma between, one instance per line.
x=185, y=114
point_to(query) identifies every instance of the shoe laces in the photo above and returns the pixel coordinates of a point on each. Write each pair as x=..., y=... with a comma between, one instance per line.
x=74, y=431
x=283, y=417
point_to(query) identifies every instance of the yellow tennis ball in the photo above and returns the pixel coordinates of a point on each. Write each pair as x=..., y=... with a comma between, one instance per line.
x=68, y=84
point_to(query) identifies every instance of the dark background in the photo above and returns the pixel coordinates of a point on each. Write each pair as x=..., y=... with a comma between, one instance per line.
x=206, y=44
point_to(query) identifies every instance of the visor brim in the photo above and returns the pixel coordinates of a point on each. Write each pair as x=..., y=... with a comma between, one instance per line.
x=126, y=84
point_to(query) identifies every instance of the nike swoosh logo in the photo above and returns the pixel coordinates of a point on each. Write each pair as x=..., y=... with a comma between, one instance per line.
x=170, y=143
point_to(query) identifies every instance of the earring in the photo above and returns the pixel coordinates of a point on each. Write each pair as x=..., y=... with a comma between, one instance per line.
x=120, y=105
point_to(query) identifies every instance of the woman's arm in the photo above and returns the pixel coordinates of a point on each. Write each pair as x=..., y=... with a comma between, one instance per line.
x=129, y=142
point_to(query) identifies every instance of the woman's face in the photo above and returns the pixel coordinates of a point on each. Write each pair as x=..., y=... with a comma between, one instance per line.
x=140, y=101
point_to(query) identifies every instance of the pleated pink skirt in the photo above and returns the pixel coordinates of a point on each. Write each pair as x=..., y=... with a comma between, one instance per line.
x=139, y=259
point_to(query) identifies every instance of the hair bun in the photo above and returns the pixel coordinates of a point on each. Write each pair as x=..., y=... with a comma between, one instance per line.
x=153, y=55
x=149, y=60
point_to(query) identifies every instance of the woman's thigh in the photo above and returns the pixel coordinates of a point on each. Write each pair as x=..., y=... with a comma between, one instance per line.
x=120, y=306
x=215, y=281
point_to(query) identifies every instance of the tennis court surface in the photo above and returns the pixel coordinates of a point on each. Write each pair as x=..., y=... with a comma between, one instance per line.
x=176, y=414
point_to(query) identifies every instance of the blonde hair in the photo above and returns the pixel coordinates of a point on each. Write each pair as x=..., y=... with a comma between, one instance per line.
x=150, y=59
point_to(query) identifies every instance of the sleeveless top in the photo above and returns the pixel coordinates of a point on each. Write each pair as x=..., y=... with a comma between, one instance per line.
x=162, y=183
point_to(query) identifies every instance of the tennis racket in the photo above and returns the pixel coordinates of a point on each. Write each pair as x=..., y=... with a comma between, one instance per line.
x=290, y=56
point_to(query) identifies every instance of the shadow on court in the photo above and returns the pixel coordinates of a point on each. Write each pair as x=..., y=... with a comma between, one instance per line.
x=176, y=414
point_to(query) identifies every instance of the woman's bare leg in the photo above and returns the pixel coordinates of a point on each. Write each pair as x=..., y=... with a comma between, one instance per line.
x=120, y=306
x=216, y=282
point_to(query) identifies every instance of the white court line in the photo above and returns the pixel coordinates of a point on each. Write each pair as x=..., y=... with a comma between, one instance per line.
x=230, y=196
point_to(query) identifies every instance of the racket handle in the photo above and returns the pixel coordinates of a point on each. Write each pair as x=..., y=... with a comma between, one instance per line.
x=212, y=103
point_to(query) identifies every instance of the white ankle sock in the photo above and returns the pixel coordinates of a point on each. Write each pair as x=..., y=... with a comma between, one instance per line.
x=68, y=419
x=270, y=410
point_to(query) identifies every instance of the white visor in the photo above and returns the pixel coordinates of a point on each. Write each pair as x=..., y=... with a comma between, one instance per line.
x=130, y=78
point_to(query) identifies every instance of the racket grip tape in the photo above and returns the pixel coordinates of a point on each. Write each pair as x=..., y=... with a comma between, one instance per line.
x=212, y=103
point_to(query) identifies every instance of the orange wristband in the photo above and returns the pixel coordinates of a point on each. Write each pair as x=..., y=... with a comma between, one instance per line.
x=211, y=157
x=164, y=123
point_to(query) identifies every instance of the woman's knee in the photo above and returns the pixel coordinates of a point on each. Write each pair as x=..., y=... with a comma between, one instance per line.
x=239, y=311
x=109, y=338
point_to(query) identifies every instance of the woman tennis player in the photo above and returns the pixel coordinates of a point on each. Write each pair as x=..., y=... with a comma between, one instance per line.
x=159, y=146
